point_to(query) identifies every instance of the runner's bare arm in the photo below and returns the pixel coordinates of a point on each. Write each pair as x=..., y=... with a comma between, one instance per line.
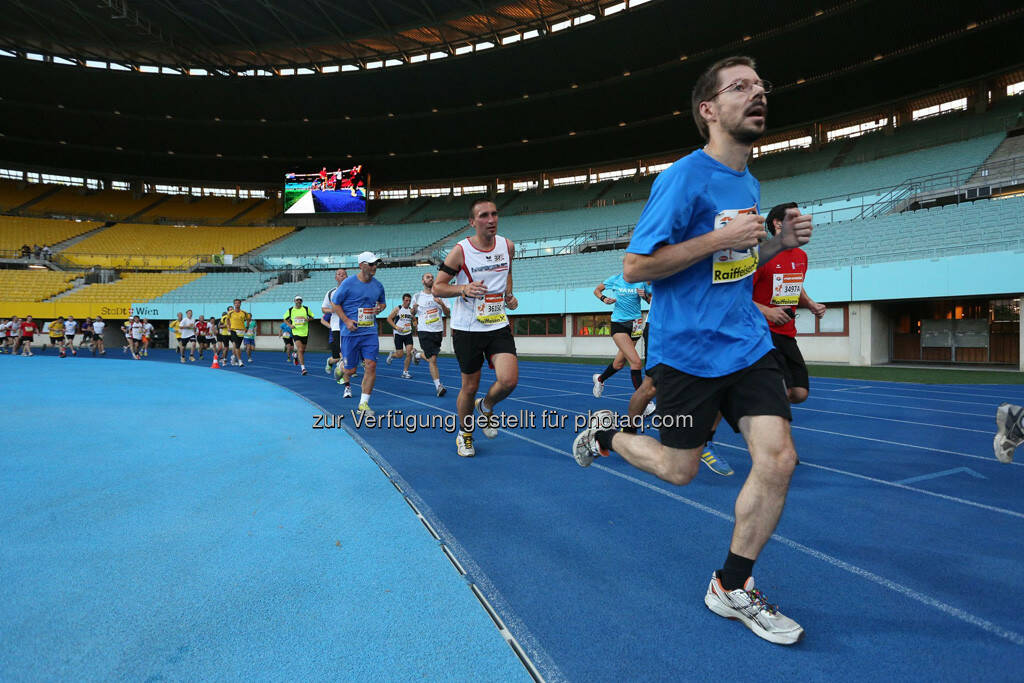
x=511, y=302
x=442, y=283
x=742, y=232
x=794, y=234
x=807, y=302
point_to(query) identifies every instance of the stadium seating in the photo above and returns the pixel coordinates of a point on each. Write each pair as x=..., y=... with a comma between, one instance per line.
x=263, y=211
x=987, y=225
x=861, y=179
x=151, y=246
x=190, y=210
x=33, y=285
x=13, y=196
x=131, y=288
x=218, y=287
x=16, y=231
x=103, y=205
x=323, y=247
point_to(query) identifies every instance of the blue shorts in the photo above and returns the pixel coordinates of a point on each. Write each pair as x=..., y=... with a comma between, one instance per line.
x=248, y=342
x=357, y=347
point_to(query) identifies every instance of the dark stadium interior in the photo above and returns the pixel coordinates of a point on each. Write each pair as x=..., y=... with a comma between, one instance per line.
x=825, y=59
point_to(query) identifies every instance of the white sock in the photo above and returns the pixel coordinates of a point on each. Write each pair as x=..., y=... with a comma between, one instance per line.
x=364, y=398
x=437, y=384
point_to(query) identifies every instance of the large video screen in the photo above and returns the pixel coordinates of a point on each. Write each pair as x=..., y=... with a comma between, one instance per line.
x=342, y=190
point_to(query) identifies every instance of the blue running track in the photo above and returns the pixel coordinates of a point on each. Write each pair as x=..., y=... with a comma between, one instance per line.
x=900, y=550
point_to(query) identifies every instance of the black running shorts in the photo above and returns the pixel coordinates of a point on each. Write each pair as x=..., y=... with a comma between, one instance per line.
x=430, y=342
x=792, y=361
x=472, y=348
x=688, y=405
x=402, y=340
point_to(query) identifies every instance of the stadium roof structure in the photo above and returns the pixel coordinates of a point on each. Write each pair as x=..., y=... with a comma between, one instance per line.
x=233, y=37
x=616, y=87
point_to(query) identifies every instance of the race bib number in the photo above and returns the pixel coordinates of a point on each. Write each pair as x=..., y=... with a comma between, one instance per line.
x=299, y=319
x=732, y=265
x=638, y=328
x=491, y=309
x=366, y=317
x=786, y=289
x=432, y=315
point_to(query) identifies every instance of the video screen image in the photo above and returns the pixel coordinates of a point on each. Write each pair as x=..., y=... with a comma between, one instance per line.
x=342, y=190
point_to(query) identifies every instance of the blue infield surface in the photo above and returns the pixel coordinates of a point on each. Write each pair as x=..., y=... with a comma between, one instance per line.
x=899, y=551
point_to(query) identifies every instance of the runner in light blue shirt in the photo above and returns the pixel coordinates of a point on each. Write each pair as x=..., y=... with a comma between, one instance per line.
x=627, y=327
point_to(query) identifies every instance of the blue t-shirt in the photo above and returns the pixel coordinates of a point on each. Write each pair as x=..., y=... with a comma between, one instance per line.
x=627, y=298
x=285, y=327
x=358, y=299
x=702, y=328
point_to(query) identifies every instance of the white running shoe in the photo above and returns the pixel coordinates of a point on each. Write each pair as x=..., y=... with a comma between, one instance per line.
x=598, y=385
x=750, y=607
x=441, y=391
x=183, y=359
x=464, y=443
x=1009, y=431
x=389, y=359
x=348, y=391
x=416, y=357
x=327, y=368
x=406, y=375
x=585, y=447
x=365, y=409
x=651, y=407
x=491, y=428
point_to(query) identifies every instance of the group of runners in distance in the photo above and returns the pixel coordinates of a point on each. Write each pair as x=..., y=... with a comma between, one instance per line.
x=18, y=334
x=723, y=284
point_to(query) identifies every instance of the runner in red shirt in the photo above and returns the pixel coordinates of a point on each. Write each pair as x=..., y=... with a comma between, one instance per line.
x=28, y=329
x=778, y=290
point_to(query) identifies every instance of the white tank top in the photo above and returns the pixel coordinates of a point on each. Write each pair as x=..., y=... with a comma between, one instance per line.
x=490, y=267
x=403, y=320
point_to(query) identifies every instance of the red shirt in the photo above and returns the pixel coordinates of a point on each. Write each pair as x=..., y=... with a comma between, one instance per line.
x=779, y=282
x=28, y=328
x=201, y=328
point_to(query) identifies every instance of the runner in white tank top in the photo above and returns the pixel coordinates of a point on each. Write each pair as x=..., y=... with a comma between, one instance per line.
x=482, y=268
x=400, y=320
x=430, y=327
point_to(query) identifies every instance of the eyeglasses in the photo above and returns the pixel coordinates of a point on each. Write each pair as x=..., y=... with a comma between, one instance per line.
x=744, y=87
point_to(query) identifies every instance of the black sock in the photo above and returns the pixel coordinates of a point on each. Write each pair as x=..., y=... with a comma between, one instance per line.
x=736, y=571
x=637, y=378
x=608, y=372
x=629, y=430
x=604, y=438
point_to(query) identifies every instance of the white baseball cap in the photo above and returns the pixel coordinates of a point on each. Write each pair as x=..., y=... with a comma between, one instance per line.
x=298, y=298
x=368, y=257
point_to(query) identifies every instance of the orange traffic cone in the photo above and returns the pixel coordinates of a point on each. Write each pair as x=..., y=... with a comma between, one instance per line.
x=216, y=365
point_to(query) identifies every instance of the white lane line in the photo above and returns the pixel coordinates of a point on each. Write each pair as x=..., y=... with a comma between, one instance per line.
x=954, y=499
x=990, y=416
x=900, y=443
x=891, y=419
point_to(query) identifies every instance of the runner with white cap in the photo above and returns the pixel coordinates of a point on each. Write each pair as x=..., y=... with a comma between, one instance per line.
x=356, y=302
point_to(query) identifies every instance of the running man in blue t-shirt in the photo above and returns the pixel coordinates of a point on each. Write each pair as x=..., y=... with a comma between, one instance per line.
x=627, y=327
x=699, y=240
x=357, y=301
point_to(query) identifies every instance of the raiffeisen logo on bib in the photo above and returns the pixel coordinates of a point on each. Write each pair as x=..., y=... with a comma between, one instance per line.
x=730, y=265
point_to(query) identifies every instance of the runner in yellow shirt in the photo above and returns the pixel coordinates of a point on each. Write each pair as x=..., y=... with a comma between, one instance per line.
x=238, y=320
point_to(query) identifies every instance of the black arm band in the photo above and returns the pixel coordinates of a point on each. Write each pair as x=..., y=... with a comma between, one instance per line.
x=445, y=268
